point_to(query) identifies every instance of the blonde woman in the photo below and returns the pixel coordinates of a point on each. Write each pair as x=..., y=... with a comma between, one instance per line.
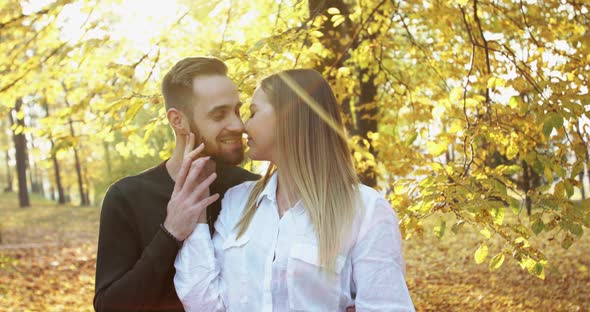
x=307, y=236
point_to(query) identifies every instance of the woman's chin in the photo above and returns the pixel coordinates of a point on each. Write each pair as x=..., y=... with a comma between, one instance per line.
x=251, y=154
x=254, y=156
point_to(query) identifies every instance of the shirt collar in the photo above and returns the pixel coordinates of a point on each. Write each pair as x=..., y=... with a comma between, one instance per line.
x=270, y=190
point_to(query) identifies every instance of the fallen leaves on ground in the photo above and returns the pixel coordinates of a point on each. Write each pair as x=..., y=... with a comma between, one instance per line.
x=53, y=278
x=46, y=268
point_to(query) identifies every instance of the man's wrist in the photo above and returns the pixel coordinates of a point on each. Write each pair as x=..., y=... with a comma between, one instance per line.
x=170, y=235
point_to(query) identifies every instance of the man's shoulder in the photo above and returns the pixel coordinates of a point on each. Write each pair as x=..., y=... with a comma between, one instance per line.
x=241, y=174
x=233, y=175
x=141, y=180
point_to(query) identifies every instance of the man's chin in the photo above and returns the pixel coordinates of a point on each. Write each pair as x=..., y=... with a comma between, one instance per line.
x=231, y=159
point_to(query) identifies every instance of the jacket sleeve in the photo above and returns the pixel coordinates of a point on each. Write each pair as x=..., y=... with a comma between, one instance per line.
x=126, y=278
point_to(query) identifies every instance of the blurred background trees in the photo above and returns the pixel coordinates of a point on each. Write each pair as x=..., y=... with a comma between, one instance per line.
x=472, y=112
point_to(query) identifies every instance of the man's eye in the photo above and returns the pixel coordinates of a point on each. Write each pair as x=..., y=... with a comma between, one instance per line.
x=218, y=117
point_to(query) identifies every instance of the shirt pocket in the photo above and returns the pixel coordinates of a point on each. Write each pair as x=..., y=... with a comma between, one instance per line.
x=310, y=286
x=234, y=271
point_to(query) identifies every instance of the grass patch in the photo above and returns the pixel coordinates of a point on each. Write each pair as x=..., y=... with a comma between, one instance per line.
x=46, y=222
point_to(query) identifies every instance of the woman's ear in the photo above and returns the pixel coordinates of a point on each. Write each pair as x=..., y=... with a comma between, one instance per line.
x=178, y=121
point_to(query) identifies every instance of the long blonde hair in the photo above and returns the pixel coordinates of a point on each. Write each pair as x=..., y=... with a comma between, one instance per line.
x=312, y=149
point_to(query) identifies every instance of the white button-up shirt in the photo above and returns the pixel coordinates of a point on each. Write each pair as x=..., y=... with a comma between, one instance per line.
x=274, y=266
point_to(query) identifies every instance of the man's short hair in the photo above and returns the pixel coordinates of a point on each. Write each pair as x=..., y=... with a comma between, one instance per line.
x=177, y=86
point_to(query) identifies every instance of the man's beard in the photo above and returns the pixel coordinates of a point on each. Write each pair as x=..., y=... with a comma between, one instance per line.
x=216, y=155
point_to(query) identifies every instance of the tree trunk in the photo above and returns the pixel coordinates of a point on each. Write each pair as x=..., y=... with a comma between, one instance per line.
x=61, y=198
x=87, y=183
x=107, y=157
x=83, y=201
x=34, y=176
x=334, y=40
x=8, y=188
x=20, y=146
x=526, y=186
x=337, y=39
x=581, y=176
x=587, y=170
x=366, y=119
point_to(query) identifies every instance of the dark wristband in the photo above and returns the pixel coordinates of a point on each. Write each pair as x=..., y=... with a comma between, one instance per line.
x=172, y=237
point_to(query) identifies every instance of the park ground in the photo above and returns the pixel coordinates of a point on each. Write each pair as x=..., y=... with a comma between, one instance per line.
x=48, y=256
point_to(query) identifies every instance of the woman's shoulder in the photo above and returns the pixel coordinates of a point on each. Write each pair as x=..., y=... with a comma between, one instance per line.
x=234, y=202
x=239, y=191
x=371, y=199
x=375, y=207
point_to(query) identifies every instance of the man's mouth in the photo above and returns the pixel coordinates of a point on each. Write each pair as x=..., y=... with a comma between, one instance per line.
x=231, y=140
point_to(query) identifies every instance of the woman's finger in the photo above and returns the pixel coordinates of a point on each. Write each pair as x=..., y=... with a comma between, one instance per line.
x=190, y=143
x=205, y=202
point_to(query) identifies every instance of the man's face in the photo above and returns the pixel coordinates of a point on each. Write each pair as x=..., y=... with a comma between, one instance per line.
x=216, y=118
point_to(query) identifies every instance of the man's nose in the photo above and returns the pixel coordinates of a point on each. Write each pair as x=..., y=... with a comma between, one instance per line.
x=236, y=125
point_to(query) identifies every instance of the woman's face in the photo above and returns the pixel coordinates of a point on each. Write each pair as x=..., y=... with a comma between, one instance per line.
x=261, y=127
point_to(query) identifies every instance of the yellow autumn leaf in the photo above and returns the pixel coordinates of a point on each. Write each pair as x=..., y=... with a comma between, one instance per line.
x=437, y=148
x=481, y=253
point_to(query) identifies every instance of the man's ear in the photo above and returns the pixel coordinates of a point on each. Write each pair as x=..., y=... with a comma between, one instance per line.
x=178, y=121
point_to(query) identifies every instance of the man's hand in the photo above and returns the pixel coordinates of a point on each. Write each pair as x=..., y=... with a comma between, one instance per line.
x=190, y=197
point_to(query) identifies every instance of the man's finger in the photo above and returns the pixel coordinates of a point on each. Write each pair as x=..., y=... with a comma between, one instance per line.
x=185, y=167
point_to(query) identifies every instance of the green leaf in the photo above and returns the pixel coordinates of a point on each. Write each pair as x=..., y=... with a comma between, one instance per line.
x=567, y=241
x=498, y=215
x=457, y=226
x=569, y=189
x=538, y=270
x=515, y=205
x=559, y=189
x=496, y=261
x=509, y=170
x=411, y=138
x=553, y=122
x=481, y=253
x=538, y=226
x=576, y=229
x=439, y=228
x=577, y=168
x=257, y=46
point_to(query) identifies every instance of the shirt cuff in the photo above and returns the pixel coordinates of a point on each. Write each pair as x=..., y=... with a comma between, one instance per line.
x=200, y=232
x=198, y=248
